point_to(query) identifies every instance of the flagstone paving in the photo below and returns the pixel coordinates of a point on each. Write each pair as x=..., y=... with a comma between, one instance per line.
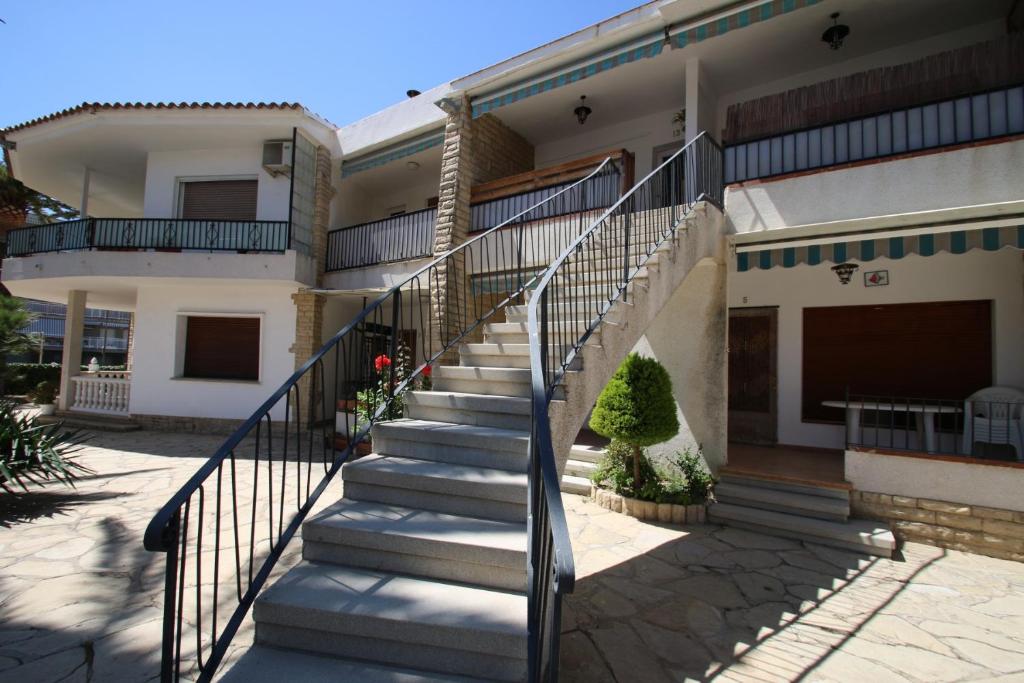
x=81, y=600
x=661, y=603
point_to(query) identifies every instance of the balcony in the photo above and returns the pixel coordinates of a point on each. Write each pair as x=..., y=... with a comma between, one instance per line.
x=136, y=234
x=398, y=238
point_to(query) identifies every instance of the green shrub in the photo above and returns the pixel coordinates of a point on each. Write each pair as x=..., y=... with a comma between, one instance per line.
x=35, y=453
x=45, y=393
x=22, y=378
x=697, y=477
x=637, y=408
x=685, y=481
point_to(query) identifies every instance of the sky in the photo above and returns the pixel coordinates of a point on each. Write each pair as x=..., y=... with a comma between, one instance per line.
x=342, y=59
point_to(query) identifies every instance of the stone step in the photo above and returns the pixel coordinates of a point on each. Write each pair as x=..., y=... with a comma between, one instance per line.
x=577, y=485
x=518, y=332
x=580, y=468
x=821, y=507
x=441, y=487
x=839, y=491
x=565, y=311
x=585, y=453
x=862, y=536
x=395, y=620
x=584, y=294
x=484, y=380
x=456, y=444
x=506, y=355
x=506, y=412
x=419, y=542
x=263, y=664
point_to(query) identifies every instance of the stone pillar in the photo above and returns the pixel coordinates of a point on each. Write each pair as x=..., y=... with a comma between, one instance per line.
x=323, y=192
x=309, y=320
x=129, y=358
x=71, y=357
x=475, y=151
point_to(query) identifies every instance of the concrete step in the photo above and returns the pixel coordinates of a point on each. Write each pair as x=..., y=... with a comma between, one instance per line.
x=585, y=453
x=518, y=332
x=395, y=620
x=579, y=468
x=821, y=507
x=102, y=423
x=583, y=294
x=838, y=491
x=577, y=485
x=456, y=444
x=419, y=542
x=858, y=535
x=484, y=380
x=263, y=664
x=509, y=355
x=441, y=487
x=565, y=311
x=506, y=412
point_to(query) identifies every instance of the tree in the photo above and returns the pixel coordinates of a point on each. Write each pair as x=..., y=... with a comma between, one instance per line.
x=14, y=317
x=637, y=408
x=15, y=194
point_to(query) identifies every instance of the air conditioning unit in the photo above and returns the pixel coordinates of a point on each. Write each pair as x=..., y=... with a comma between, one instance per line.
x=277, y=157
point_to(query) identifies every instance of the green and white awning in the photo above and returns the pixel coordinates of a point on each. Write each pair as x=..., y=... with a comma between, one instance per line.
x=892, y=244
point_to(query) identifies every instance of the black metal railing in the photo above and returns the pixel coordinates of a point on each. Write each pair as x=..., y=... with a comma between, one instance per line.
x=991, y=429
x=398, y=238
x=582, y=284
x=226, y=528
x=149, y=233
x=486, y=214
x=960, y=120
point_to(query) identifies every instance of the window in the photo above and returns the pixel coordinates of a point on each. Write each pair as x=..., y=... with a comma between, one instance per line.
x=222, y=348
x=226, y=200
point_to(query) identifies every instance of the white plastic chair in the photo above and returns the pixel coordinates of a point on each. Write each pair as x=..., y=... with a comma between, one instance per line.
x=993, y=415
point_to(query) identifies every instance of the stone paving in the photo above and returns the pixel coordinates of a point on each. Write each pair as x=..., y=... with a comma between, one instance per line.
x=661, y=603
x=80, y=599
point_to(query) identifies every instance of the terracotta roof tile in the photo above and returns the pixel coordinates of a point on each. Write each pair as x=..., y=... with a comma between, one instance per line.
x=109, y=106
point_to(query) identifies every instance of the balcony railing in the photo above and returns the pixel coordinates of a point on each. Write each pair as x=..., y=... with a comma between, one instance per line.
x=984, y=429
x=100, y=343
x=961, y=120
x=398, y=238
x=171, y=234
x=105, y=393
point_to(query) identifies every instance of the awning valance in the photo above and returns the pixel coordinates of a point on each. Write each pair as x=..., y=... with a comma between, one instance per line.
x=864, y=247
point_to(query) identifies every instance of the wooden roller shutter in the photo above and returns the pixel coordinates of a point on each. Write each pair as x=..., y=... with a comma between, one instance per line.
x=225, y=200
x=904, y=351
x=222, y=348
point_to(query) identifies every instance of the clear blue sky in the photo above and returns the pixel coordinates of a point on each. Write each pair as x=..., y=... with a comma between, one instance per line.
x=342, y=59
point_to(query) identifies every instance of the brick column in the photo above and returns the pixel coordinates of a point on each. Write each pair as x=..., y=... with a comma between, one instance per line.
x=475, y=151
x=309, y=319
x=129, y=358
x=323, y=193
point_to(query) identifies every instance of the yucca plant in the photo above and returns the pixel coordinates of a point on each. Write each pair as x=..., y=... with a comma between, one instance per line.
x=32, y=453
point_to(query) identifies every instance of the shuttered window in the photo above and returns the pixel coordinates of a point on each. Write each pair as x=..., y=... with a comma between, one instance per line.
x=222, y=348
x=226, y=200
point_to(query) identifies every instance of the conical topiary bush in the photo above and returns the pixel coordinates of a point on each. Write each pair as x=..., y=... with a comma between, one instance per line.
x=637, y=408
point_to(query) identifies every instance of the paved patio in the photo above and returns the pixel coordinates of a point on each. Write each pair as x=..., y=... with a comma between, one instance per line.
x=80, y=600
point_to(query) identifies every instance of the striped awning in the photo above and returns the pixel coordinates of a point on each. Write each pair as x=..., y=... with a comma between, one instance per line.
x=870, y=246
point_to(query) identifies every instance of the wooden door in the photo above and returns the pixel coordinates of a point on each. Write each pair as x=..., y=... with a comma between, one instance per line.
x=753, y=400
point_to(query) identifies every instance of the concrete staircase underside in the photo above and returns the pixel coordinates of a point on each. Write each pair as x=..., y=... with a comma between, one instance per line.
x=804, y=511
x=419, y=571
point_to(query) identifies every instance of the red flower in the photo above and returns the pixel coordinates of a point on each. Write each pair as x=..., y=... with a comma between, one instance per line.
x=426, y=371
x=381, y=362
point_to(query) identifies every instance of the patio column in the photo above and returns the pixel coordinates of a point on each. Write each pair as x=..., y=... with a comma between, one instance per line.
x=83, y=208
x=701, y=102
x=71, y=356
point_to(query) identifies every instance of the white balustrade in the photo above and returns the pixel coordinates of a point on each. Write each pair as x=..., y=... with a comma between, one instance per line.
x=101, y=392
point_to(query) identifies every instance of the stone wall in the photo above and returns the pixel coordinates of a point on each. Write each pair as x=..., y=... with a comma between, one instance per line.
x=194, y=425
x=971, y=528
x=323, y=193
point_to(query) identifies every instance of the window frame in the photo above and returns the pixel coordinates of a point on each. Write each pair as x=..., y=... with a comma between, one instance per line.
x=181, y=333
x=179, y=189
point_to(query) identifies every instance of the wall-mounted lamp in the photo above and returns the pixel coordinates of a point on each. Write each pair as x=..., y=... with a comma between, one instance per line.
x=845, y=271
x=836, y=33
x=582, y=111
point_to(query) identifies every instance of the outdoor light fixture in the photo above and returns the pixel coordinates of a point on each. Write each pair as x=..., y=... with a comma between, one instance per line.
x=836, y=33
x=845, y=271
x=582, y=111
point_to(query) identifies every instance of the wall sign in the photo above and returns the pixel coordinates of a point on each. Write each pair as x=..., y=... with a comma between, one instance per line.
x=876, y=278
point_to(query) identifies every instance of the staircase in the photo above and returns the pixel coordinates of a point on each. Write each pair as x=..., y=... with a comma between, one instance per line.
x=581, y=464
x=816, y=513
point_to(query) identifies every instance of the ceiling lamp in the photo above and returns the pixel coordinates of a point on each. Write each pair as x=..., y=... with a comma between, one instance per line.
x=836, y=33
x=582, y=111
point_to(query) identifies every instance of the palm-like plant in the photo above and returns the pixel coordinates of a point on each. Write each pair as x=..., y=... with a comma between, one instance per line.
x=35, y=453
x=15, y=194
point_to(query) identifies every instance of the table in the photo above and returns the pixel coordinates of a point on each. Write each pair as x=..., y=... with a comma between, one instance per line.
x=920, y=410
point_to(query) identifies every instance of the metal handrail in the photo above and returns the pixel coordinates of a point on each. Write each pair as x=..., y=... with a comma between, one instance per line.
x=308, y=410
x=385, y=240
x=641, y=220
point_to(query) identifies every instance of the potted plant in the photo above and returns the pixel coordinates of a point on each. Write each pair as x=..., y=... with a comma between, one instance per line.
x=45, y=397
x=637, y=410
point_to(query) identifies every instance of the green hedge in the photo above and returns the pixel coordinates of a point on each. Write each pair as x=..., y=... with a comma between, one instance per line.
x=22, y=378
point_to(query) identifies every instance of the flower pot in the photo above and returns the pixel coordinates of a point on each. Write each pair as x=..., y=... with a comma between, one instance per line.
x=47, y=408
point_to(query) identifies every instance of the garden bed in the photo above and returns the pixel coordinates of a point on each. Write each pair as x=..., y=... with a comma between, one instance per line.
x=669, y=513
